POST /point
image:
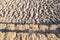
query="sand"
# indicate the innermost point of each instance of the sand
(29, 11)
(29, 32)
(29, 20)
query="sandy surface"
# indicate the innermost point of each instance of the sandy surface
(30, 11)
(29, 32)
(29, 19)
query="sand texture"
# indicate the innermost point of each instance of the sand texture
(30, 11)
(29, 32)
(29, 19)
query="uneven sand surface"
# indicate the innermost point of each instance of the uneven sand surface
(29, 32)
(29, 19)
(30, 11)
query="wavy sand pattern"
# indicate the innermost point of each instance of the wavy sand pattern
(29, 19)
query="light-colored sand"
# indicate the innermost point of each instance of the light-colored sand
(10, 26)
(34, 32)
(2, 26)
(25, 36)
(29, 11)
(2, 36)
(10, 35)
(29, 20)
(33, 27)
(22, 27)
(43, 27)
(53, 27)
